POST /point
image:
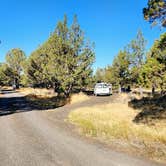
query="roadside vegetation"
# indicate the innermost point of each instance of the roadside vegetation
(47, 99)
(115, 124)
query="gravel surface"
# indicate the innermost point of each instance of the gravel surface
(43, 138)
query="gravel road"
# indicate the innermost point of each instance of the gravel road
(42, 138)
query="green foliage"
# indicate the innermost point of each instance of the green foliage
(148, 73)
(136, 55)
(6, 75)
(15, 59)
(132, 68)
(100, 75)
(158, 50)
(154, 70)
(36, 69)
(117, 73)
(126, 65)
(120, 68)
(63, 61)
(136, 50)
(155, 12)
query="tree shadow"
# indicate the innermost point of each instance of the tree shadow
(10, 105)
(152, 109)
(45, 103)
(88, 92)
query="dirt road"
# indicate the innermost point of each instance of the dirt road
(42, 138)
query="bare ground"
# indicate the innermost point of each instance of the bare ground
(43, 138)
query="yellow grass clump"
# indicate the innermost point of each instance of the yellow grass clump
(77, 98)
(6, 87)
(115, 122)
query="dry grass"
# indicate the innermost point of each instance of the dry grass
(38, 92)
(115, 122)
(77, 98)
(6, 87)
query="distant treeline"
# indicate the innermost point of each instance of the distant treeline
(135, 67)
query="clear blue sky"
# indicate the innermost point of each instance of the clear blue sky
(110, 24)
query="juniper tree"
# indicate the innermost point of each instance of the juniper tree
(73, 57)
(68, 62)
(155, 12)
(15, 59)
(154, 70)
(136, 54)
(6, 75)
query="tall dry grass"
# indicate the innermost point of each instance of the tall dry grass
(79, 97)
(115, 122)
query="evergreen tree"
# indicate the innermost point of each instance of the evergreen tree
(36, 69)
(6, 75)
(154, 70)
(120, 68)
(100, 75)
(155, 12)
(136, 55)
(67, 59)
(15, 59)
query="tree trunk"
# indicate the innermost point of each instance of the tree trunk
(153, 90)
(140, 91)
(68, 91)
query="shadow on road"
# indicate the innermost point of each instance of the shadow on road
(14, 104)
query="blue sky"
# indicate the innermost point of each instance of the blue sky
(110, 24)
